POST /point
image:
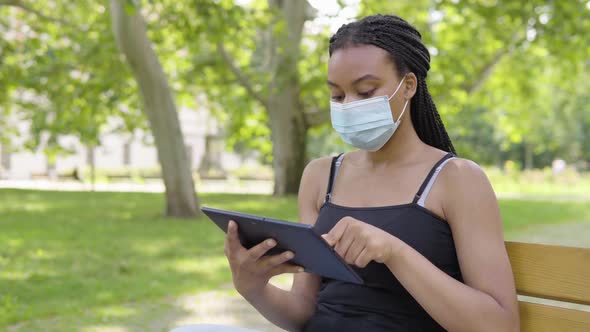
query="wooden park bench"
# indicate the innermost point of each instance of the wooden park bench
(551, 273)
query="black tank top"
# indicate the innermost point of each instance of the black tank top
(382, 303)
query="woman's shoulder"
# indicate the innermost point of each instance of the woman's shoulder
(462, 185)
(462, 170)
(465, 182)
(314, 180)
(318, 166)
(317, 172)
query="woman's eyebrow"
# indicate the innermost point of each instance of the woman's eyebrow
(358, 80)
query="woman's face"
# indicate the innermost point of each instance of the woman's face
(363, 71)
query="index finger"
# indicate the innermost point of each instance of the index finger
(336, 232)
(260, 249)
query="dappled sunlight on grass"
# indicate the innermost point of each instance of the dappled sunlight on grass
(40, 254)
(12, 243)
(96, 250)
(150, 315)
(275, 207)
(14, 275)
(517, 214)
(576, 234)
(102, 248)
(155, 247)
(106, 328)
(32, 265)
(104, 295)
(539, 182)
(32, 207)
(116, 311)
(202, 265)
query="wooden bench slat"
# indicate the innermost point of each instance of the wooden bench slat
(551, 272)
(542, 318)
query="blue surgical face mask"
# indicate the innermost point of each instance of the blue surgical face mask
(366, 124)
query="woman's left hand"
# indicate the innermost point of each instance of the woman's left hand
(360, 243)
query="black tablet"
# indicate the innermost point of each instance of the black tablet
(311, 251)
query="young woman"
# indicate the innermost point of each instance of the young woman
(420, 225)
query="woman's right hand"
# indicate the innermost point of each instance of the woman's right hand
(250, 269)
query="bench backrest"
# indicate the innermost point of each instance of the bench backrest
(552, 273)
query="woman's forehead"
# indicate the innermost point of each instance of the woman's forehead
(349, 63)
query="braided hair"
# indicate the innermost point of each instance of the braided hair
(404, 45)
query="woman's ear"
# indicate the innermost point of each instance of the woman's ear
(410, 86)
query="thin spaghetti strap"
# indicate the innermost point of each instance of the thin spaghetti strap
(429, 176)
(333, 171)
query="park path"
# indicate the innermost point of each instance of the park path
(151, 186)
(233, 186)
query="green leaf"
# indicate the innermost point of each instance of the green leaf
(130, 7)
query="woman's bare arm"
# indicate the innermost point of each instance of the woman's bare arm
(290, 310)
(487, 300)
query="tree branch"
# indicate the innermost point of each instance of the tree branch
(488, 68)
(244, 81)
(485, 72)
(19, 4)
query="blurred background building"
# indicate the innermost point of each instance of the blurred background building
(120, 153)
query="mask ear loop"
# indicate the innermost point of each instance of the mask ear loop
(399, 86)
(399, 119)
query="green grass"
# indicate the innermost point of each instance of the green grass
(518, 214)
(540, 182)
(62, 253)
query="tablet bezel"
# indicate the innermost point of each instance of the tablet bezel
(285, 226)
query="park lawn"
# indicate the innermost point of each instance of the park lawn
(64, 252)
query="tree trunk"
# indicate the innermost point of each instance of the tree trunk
(288, 141)
(91, 160)
(159, 106)
(528, 155)
(287, 123)
(279, 53)
(211, 165)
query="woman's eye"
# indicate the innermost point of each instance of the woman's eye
(366, 94)
(337, 98)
